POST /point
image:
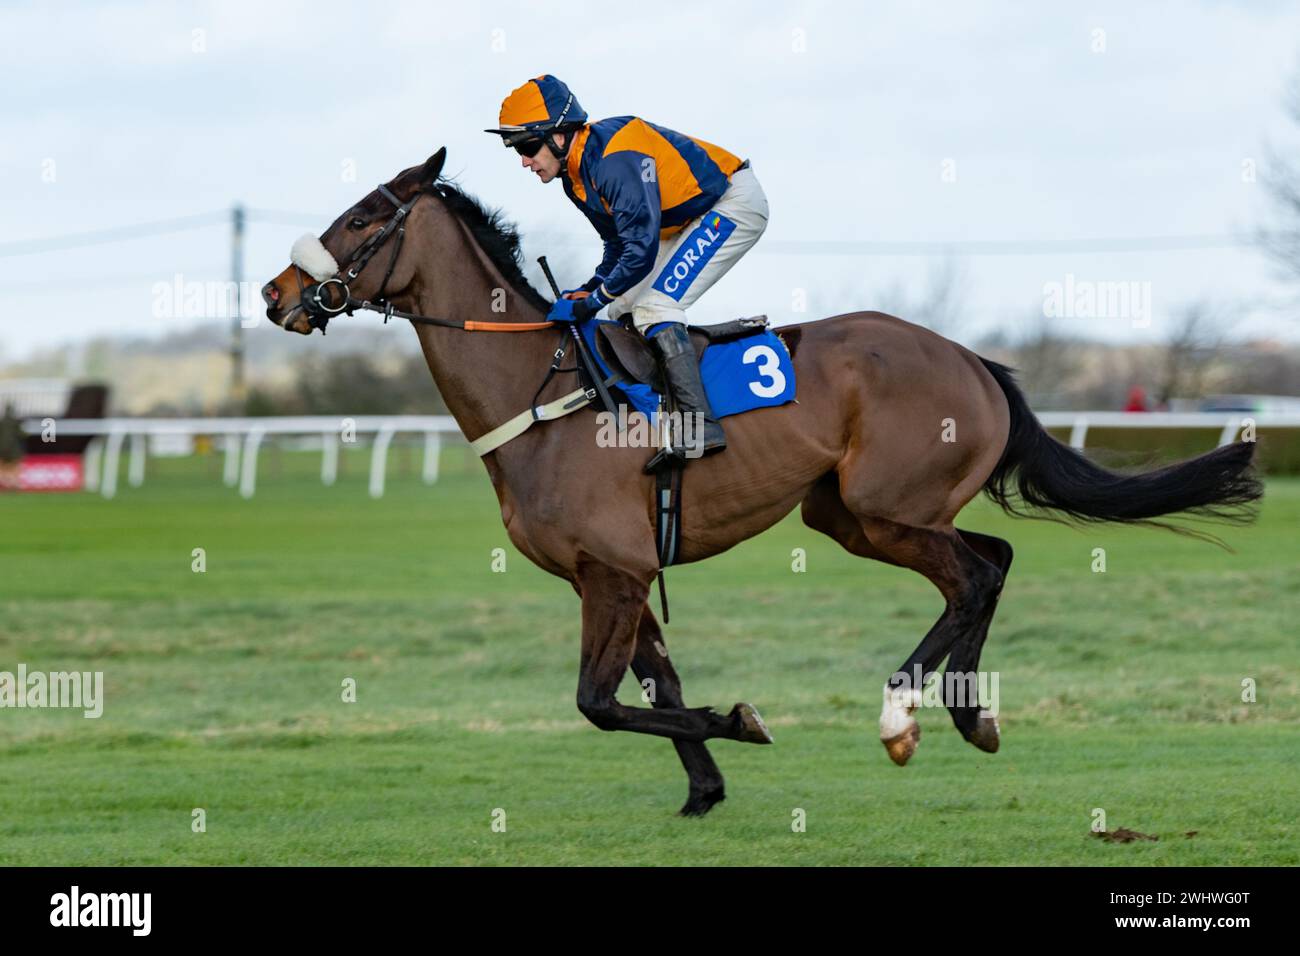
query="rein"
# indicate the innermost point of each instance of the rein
(321, 306)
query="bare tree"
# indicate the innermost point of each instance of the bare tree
(942, 304)
(1046, 360)
(1272, 372)
(1193, 345)
(1283, 182)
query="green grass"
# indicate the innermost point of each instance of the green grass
(1119, 691)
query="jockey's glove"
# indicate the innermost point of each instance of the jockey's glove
(588, 306)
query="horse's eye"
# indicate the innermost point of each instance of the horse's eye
(357, 222)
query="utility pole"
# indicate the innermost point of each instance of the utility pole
(238, 387)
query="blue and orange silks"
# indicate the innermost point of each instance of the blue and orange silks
(639, 183)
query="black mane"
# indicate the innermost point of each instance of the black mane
(497, 237)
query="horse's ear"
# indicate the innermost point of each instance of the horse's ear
(433, 167)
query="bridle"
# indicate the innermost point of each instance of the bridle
(320, 305)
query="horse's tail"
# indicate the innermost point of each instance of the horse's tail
(1046, 475)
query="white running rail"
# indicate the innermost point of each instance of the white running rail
(241, 438)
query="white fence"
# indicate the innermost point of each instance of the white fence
(1229, 423)
(243, 437)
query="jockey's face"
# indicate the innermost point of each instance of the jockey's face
(544, 164)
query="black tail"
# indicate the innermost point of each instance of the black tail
(1046, 475)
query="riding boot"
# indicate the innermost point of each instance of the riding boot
(682, 379)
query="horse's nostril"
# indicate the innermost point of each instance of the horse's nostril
(270, 294)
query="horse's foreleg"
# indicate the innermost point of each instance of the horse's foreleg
(659, 682)
(612, 603)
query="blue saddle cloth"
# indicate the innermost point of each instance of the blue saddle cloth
(740, 375)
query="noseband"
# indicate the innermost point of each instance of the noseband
(320, 304)
(326, 298)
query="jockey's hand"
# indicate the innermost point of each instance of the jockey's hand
(562, 311)
(577, 305)
(587, 306)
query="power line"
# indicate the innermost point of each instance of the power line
(24, 247)
(1002, 247)
(887, 247)
(65, 284)
(279, 217)
(798, 247)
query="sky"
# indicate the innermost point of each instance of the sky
(872, 127)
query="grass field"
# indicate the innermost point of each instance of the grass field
(1118, 690)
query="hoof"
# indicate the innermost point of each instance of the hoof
(752, 728)
(698, 804)
(899, 731)
(985, 736)
(902, 747)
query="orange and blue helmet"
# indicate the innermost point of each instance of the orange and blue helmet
(542, 105)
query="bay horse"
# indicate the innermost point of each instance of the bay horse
(895, 429)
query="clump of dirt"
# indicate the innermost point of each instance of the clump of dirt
(1124, 835)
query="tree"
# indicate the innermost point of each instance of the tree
(942, 305)
(1196, 336)
(1046, 361)
(1283, 181)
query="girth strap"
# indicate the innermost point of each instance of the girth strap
(514, 427)
(668, 524)
(668, 514)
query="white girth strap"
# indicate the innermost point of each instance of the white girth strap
(516, 426)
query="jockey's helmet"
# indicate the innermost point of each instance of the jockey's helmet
(541, 106)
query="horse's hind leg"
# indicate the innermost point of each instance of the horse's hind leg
(976, 724)
(969, 585)
(967, 569)
(651, 663)
(823, 510)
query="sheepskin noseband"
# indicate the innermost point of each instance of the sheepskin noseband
(313, 258)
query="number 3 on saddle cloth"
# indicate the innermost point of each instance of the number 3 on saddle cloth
(741, 370)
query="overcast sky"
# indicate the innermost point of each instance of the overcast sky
(879, 122)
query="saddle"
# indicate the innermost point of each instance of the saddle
(631, 356)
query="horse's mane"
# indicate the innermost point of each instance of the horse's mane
(497, 237)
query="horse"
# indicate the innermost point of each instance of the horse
(894, 430)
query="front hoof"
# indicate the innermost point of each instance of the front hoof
(698, 804)
(752, 730)
(902, 747)
(986, 735)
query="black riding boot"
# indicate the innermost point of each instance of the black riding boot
(682, 370)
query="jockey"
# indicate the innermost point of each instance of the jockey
(675, 214)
